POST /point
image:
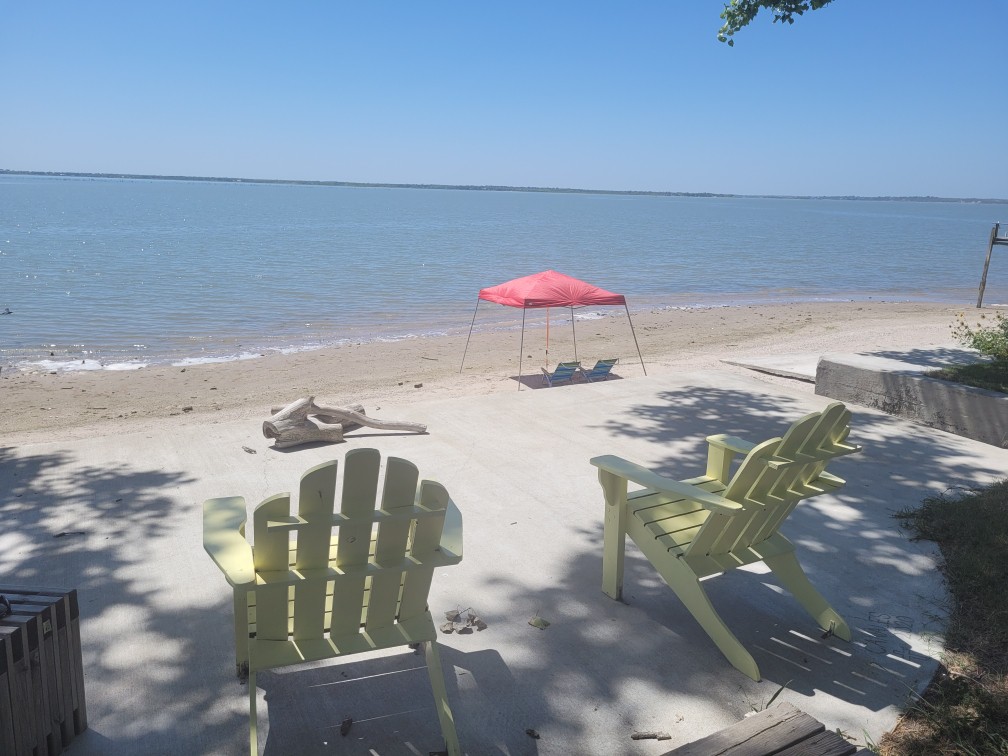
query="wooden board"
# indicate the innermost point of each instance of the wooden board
(41, 672)
(782, 730)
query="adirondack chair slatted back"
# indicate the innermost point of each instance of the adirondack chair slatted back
(384, 557)
(771, 480)
(721, 533)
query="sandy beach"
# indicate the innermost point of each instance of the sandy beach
(42, 405)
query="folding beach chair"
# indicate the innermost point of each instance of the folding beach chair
(564, 372)
(601, 370)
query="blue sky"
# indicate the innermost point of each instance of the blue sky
(868, 97)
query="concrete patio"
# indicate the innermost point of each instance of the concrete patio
(118, 517)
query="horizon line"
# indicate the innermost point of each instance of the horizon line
(500, 188)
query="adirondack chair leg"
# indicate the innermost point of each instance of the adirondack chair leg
(614, 539)
(241, 630)
(692, 594)
(253, 716)
(444, 711)
(791, 575)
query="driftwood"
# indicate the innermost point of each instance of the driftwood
(303, 421)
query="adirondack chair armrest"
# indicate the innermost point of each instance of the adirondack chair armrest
(642, 476)
(224, 539)
(722, 450)
(451, 535)
(733, 444)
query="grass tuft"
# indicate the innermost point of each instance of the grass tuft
(992, 376)
(965, 708)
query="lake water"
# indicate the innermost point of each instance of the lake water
(118, 273)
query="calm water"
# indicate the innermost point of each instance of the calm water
(126, 272)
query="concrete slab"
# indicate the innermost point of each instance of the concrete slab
(118, 517)
(801, 367)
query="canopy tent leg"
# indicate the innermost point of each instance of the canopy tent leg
(521, 349)
(470, 335)
(635, 338)
(573, 334)
(547, 337)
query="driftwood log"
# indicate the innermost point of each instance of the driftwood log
(303, 422)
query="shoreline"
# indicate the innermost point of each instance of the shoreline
(500, 320)
(41, 405)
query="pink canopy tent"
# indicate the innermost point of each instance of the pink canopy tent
(545, 290)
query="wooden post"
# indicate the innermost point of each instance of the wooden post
(994, 239)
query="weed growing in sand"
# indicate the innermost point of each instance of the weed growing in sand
(990, 338)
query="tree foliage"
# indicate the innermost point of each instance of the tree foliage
(739, 13)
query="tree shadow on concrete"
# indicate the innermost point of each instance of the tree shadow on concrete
(390, 703)
(600, 671)
(69, 524)
(597, 649)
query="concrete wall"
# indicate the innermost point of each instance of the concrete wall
(901, 389)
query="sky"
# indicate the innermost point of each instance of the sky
(863, 97)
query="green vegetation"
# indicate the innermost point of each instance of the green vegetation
(992, 376)
(965, 709)
(990, 338)
(739, 13)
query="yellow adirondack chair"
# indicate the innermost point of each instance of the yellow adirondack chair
(696, 528)
(319, 584)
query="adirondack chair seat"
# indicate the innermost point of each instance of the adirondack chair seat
(704, 526)
(322, 584)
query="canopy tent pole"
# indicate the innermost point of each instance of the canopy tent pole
(635, 338)
(521, 349)
(547, 338)
(470, 335)
(573, 334)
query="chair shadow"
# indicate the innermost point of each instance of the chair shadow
(389, 700)
(536, 381)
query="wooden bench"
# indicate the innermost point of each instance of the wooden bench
(780, 731)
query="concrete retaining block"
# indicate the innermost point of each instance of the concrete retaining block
(902, 389)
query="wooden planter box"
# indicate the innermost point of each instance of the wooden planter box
(41, 676)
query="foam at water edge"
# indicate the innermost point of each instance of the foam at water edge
(211, 360)
(74, 366)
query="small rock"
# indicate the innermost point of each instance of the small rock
(532, 733)
(248, 449)
(187, 408)
(417, 385)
